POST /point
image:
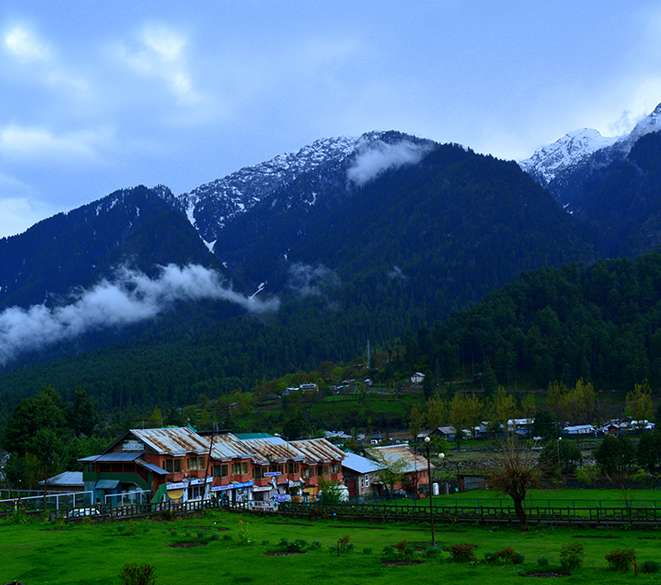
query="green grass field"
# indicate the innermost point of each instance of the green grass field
(587, 498)
(93, 554)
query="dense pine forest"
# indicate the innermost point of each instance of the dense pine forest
(601, 323)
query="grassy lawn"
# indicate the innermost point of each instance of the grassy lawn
(93, 554)
(550, 497)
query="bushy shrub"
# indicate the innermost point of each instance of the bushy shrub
(506, 556)
(588, 474)
(133, 574)
(542, 563)
(571, 556)
(431, 552)
(314, 545)
(344, 545)
(367, 550)
(621, 559)
(650, 567)
(462, 553)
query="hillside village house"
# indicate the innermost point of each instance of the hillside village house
(402, 459)
(168, 462)
(361, 475)
(179, 464)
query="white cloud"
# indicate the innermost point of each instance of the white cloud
(26, 45)
(161, 53)
(380, 156)
(45, 68)
(34, 142)
(130, 298)
(306, 280)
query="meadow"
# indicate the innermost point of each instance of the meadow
(229, 548)
(562, 497)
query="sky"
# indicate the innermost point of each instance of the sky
(97, 96)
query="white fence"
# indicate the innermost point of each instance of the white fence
(131, 497)
(46, 501)
(26, 501)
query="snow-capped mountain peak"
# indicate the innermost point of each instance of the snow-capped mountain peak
(212, 205)
(650, 123)
(569, 150)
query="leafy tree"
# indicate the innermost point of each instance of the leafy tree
(649, 450)
(544, 425)
(639, 404)
(83, 414)
(558, 459)
(465, 411)
(504, 406)
(615, 456)
(43, 411)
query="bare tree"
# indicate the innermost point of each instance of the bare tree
(515, 474)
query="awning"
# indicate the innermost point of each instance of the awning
(176, 486)
(106, 484)
(259, 488)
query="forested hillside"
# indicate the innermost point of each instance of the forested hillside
(601, 323)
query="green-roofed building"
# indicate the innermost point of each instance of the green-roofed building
(246, 436)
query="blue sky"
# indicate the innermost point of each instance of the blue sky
(101, 95)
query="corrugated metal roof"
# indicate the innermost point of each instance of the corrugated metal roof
(318, 450)
(391, 454)
(228, 446)
(273, 449)
(113, 456)
(172, 440)
(361, 464)
(66, 478)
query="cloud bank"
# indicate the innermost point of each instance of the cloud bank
(310, 281)
(129, 298)
(380, 157)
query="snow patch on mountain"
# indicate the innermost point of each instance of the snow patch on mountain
(569, 150)
(210, 207)
(578, 147)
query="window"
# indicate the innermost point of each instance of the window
(307, 472)
(195, 492)
(320, 469)
(335, 468)
(195, 463)
(220, 470)
(292, 467)
(259, 471)
(173, 465)
(239, 468)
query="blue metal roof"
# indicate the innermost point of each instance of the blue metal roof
(66, 478)
(155, 468)
(361, 464)
(106, 484)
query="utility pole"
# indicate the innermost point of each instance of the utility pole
(430, 486)
(369, 355)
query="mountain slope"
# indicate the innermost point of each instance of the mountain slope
(565, 153)
(70, 250)
(365, 249)
(614, 191)
(456, 224)
(212, 206)
(602, 323)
